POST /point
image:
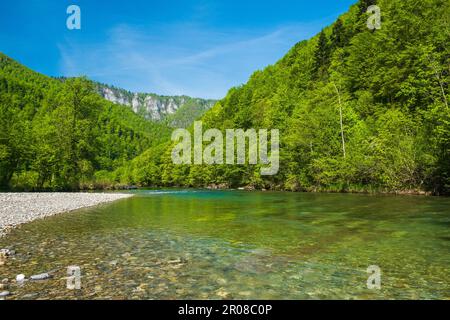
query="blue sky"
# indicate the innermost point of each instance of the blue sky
(173, 47)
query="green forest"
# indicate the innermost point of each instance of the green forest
(62, 135)
(358, 110)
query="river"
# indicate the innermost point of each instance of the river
(196, 244)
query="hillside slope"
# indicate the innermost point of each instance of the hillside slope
(63, 135)
(390, 85)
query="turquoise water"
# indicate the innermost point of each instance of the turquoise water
(175, 244)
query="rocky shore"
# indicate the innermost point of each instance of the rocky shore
(19, 208)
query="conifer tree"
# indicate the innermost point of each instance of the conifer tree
(338, 38)
(364, 4)
(322, 55)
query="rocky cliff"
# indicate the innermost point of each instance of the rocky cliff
(156, 107)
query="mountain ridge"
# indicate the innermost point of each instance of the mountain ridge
(153, 106)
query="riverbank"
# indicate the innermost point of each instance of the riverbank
(331, 189)
(19, 208)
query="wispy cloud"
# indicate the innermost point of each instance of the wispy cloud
(179, 59)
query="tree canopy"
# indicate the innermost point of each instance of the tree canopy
(357, 110)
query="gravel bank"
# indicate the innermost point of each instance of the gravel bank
(18, 208)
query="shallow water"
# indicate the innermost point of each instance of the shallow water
(238, 245)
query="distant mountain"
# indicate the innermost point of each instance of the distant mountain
(181, 111)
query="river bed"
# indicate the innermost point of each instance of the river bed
(195, 244)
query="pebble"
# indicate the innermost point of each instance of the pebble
(176, 261)
(222, 293)
(20, 278)
(113, 263)
(42, 276)
(6, 252)
(140, 288)
(4, 294)
(30, 296)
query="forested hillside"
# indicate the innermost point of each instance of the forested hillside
(63, 135)
(357, 109)
(174, 111)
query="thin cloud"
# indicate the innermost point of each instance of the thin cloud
(182, 59)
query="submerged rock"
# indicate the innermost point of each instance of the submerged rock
(7, 252)
(4, 255)
(42, 276)
(113, 263)
(126, 255)
(20, 278)
(4, 294)
(177, 261)
(221, 281)
(141, 288)
(222, 293)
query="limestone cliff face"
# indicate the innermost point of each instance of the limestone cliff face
(156, 107)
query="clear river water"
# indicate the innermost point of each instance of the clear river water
(195, 244)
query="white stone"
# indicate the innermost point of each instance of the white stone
(20, 278)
